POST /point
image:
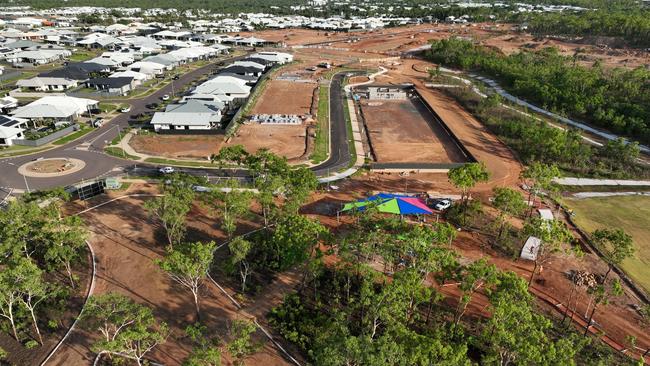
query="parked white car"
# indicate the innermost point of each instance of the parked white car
(165, 97)
(166, 170)
(442, 205)
(126, 109)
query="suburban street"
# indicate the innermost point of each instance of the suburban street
(90, 148)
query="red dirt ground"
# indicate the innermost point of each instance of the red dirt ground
(285, 97)
(288, 141)
(400, 132)
(126, 242)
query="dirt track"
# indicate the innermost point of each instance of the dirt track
(126, 242)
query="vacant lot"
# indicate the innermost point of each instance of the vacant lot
(288, 141)
(285, 97)
(177, 146)
(404, 131)
(632, 214)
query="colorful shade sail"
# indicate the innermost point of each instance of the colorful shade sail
(391, 203)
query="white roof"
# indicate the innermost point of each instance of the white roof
(546, 214)
(129, 74)
(249, 64)
(531, 248)
(40, 81)
(9, 132)
(54, 107)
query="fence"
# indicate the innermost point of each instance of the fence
(191, 132)
(47, 139)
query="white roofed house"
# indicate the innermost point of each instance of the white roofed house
(191, 115)
(149, 68)
(138, 77)
(249, 64)
(59, 108)
(39, 57)
(276, 57)
(11, 129)
(228, 86)
(40, 83)
(170, 61)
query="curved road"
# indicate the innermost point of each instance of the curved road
(90, 147)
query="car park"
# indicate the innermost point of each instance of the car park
(166, 170)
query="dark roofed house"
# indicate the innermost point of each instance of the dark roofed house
(79, 71)
(115, 86)
(250, 80)
(261, 61)
(242, 70)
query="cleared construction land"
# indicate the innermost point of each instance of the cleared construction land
(285, 140)
(404, 131)
(286, 97)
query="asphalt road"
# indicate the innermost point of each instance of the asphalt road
(90, 147)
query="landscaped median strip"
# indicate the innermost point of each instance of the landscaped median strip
(359, 156)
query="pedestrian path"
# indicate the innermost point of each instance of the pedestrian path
(569, 181)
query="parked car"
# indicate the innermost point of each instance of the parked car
(98, 122)
(166, 170)
(152, 105)
(197, 188)
(165, 97)
(442, 205)
(126, 109)
(176, 77)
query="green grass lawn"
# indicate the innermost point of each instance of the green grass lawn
(73, 136)
(322, 143)
(119, 153)
(179, 162)
(83, 55)
(630, 213)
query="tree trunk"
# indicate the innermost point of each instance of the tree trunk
(609, 269)
(591, 317)
(532, 275)
(13, 325)
(196, 304)
(38, 331)
(568, 305)
(68, 269)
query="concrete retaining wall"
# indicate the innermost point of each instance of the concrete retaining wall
(47, 139)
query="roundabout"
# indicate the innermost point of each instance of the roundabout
(51, 167)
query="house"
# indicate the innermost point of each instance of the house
(243, 70)
(39, 57)
(190, 115)
(112, 85)
(146, 67)
(42, 83)
(226, 86)
(59, 108)
(247, 63)
(78, 71)
(138, 77)
(11, 129)
(7, 103)
(275, 57)
(170, 61)
(96, 40)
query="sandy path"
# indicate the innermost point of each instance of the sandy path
(123, 241)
